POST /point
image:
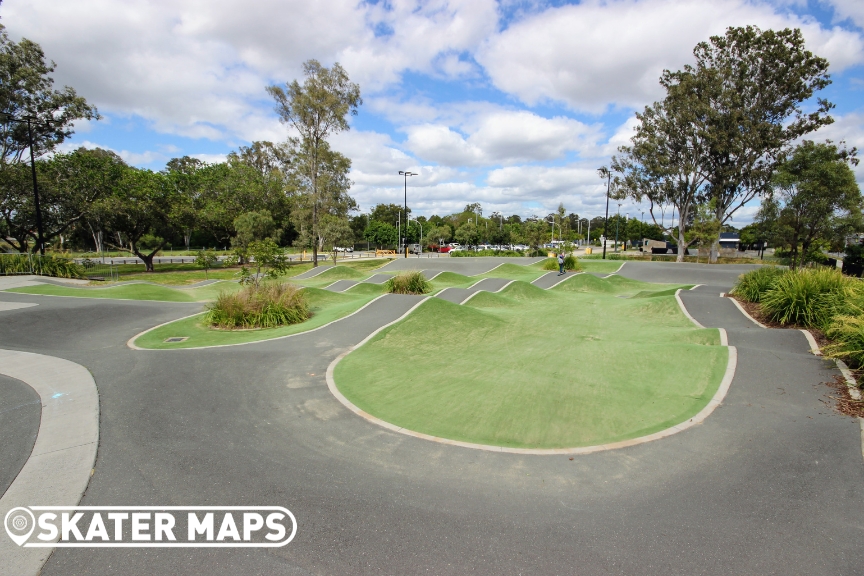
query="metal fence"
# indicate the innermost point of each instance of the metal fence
(107, 272)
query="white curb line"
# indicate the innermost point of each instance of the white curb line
(854, 392)
(59, 467)
(684, 310)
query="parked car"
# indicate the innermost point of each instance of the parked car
(344, 249)
(444, 249)
(414, 248)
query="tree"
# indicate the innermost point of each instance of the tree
(317, 109)
(337, 231)
(534, 233)
(143, 214)
(26, 90)
(746, 92)
(387, 213)
(468, 234)
(380, 234)
(206, 259)
(251, 226)
(268, 259)
(331, 197)
(666, 162)
(70, 187)
(816, 192)
(703, 230)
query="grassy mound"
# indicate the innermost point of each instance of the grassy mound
(340, 273)
(653, 294)
(555, 379)
(514, 272)
(519, 290)
(450, 279)
(325, 307)
(367, 288)
(585, 283)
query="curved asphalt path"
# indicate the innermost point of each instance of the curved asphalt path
(769, 484)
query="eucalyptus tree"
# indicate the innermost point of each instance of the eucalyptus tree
(317, 109)
(815, 193)
(747, 92)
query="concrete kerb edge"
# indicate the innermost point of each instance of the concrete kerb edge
(684, 309)
(131, 342)
(853, 391)
(715, 401)
(563, 279)
(814, 347)
(743, 311)
(61, 463)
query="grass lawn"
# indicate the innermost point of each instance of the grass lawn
(134, 292)
(573, 366)
(325, 306)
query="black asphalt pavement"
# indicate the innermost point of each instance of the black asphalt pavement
(469, 266)
(20, 413)
(770, 483)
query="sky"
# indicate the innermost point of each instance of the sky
(512, 104)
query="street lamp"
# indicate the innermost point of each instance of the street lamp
(406, 175)
(30, 120)
(605, 173)
(617, 221)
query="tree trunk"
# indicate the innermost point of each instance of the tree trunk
(682, 247)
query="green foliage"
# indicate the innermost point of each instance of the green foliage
(206, 259)
(266, 306)
(268, 259)
(40, 265)
(752, 285)
(847, 331)
(380, 233)
(570, 263)
(808, 297)
(408, 283)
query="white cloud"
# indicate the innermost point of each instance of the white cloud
(851, 9)
(612, 52)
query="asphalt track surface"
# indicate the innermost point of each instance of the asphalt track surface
(20, 413)
(769, 484)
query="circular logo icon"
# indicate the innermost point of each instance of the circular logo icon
(19, 524)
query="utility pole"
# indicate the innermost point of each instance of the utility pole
(29, 120)
(406, 175)
(605, 173)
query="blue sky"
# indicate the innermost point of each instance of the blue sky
(511, 104)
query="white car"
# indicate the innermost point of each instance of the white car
(342, 249)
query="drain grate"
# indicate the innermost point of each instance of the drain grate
(177, 339)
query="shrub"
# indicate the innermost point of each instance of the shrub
(808, 297)
(754, 284)
(848, 335)
(408, 283)
(570, 263)
(265, 306)
(42, 265)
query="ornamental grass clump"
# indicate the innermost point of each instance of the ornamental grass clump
(47, 265)
(408, 283)
(570, 263)
(265, 306)
(809, 297)
(754, 284)
(847, 332)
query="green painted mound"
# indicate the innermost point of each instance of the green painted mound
(125, 292)
(451, 279)
(491, 300)
(340, 273)
(622, 283)
(436, 319)
(366, 288)
(507, 270)
(655, 294)
(522, 291)
(319, 297)
(585, 283)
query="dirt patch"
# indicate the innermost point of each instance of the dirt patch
(842, 400)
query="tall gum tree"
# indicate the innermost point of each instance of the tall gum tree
(316, 109)
(746, 92)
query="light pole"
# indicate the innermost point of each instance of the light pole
(29, 120)
(617, 221)
(421, 234)
(406, 174)
(605, 173)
